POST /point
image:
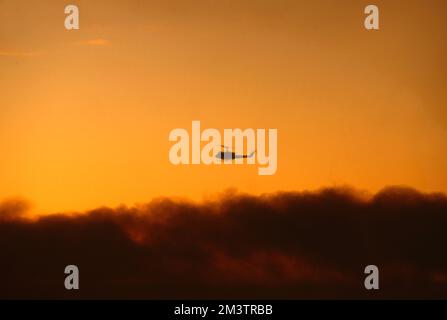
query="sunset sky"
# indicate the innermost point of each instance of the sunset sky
(85, 114)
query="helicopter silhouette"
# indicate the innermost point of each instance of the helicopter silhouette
(229, 155)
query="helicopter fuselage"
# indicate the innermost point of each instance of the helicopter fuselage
(230, 155)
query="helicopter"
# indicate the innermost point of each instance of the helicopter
(229, 155)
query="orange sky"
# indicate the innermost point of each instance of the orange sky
(85, 115)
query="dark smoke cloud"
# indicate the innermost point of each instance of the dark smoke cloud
(13, 208)
(286, 245)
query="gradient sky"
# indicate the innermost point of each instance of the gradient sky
(85, 115)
